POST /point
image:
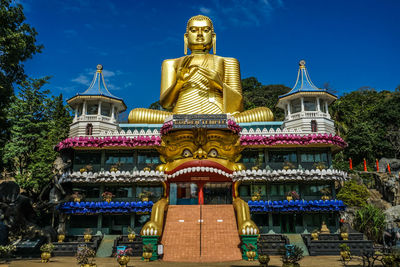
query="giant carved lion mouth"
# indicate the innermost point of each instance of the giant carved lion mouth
(199, 168)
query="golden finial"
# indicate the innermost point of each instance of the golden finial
(99, 68)
(302, 64)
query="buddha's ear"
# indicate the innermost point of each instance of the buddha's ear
(185, 41)
(214, 43)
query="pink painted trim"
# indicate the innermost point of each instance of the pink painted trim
(109, 141)
(292, 139)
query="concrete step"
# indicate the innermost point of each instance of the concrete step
(206, 233)
(296, 239)
(106, 246)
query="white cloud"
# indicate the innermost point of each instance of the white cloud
(205, 11)
(240, 13)
(108, 73)
(81, 79)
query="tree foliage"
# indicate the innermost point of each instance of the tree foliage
(37, 122)
(17, 44)
(369, 121)
(353, 194)
(257, 95)
(370, 220)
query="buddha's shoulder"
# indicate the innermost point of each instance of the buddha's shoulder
(228, 60)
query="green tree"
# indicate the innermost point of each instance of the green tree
(38, 122)
(370, 220)
(17, 44)
(257, 95)
(353, 194)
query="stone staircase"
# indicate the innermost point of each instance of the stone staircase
(296, 239)
(106, 246)
(206, 233)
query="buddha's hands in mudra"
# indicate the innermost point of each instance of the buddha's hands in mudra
(213, 77)
(185, 71)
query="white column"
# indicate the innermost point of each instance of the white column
(76, 113)
(84, 108)
(99, 109)
(112, 113)
(318, 105)
(326, 109)
(289, 109)
(302, 104)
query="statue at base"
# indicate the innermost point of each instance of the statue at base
(200, 83)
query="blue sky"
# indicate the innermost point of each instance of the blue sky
(350, 44)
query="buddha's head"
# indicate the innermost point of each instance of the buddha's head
(200, 36)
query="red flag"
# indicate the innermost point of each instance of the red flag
(351, 163)
(377, 165)
(365, 165)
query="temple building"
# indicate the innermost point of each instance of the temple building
(205, 175)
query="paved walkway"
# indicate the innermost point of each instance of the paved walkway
(309, 261)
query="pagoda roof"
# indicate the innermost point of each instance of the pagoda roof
(98, 86)
(304, 83)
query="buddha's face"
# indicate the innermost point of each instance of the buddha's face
(199, 35)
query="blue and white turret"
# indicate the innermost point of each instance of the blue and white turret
(306, 106)
(96, 109)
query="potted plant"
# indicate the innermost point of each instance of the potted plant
(256, 196)
(46, 250)
(123, 256)
(314, 234)
(345, 253)
(264, 260)
(85, 257)
(131, 234)
(76, 196)
(320, 166)
(292, 257)
(288, 165)
(87, 235)
(145, 195)
(6, 252)
(251, 252)
(292, 195)
(325, 193)
(115, 167)
(147, 252)
(344, 233)
(107, 196)
(61, 237)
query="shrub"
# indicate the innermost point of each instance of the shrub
(371, 221)
(353, 194)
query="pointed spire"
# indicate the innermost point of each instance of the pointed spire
(303, 82)
(98, 85)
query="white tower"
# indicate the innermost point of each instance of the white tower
(96, 109)
(306, 106)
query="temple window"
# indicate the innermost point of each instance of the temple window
(295, 105)
(120, 192)
(89, 129)
(322, 106)
(92, 108)
(314, 127)
(119, 161)
(154, 193)
(106, 109)
(90, 161)
(148, 159)
(251, 158)
(310, 104)
(80, 108)
(88, 192)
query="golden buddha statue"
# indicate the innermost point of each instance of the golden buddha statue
(200, 83)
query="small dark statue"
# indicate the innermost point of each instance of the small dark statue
(17, 215)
